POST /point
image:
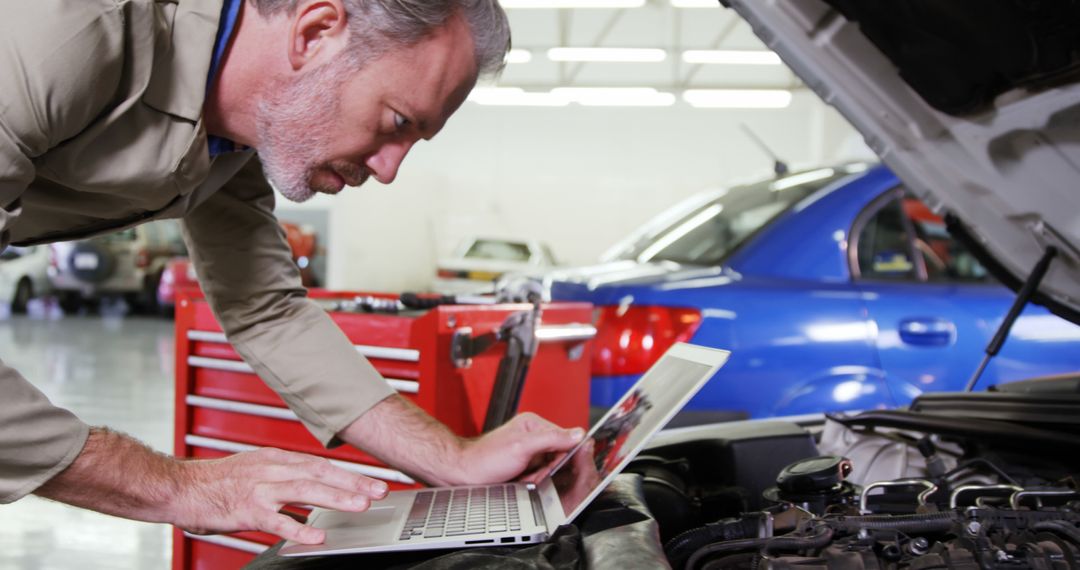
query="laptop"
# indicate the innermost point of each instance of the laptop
(523, 513)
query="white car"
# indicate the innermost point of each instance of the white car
(479, 262)
(23, 275)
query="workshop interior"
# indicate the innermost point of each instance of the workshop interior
(865, 214)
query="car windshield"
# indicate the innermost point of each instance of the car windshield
(498, 250)
(709, 232)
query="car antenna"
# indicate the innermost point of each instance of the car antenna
(1022, 298)
(780, 167)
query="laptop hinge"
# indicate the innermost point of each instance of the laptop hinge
(537, 507)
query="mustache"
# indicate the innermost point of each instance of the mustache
(353, 174)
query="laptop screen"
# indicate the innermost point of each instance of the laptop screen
(618, 436)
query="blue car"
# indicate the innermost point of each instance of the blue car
(836, 289)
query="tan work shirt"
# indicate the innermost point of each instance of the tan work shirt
(101, 129)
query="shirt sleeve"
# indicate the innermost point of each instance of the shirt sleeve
(247, 273)
(61, 63)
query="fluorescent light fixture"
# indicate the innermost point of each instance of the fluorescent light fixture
(695, 3)
(628, 55)
(738, 98)
(514, 97)
(513, 4)
(519, 56)
(615, 96)
(731, 57)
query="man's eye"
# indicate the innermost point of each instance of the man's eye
(400, 122)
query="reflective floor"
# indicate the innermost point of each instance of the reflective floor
(110, 371)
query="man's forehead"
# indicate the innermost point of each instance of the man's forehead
(442, 73)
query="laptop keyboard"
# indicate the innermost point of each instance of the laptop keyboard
(458, 512)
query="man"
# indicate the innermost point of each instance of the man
(114, 112)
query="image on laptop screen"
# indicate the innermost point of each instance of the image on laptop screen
(627, 426)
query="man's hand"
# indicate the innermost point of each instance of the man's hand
(524, 448)
(246, 492)
(120, 476)
(403, 435)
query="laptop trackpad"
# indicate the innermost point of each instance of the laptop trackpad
(373, 524)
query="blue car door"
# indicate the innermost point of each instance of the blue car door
(935, 307)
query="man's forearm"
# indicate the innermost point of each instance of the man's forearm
(117, 475)
(398, 432)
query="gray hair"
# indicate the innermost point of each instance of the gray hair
(375, 26)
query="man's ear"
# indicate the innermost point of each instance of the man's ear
(317, 26)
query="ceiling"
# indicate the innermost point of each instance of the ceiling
(655, 24)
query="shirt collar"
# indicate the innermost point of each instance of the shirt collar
(177, 84)
(230, 11)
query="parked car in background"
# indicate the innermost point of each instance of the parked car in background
(23, 275)
(835, 289)
(179, 273)
(478, 263)
(127, 264)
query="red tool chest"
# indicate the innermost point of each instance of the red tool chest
(222, 407)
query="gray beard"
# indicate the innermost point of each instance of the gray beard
(292, 124)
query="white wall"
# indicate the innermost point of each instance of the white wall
(578, 178)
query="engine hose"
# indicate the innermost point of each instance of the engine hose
(929, 522)
(819, 540)
(683, 545)
(814, 542)
(731, 560)
(718, 547)
(1061, 527)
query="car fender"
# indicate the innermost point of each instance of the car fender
(837, 389)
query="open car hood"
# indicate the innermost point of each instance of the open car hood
(975, 104)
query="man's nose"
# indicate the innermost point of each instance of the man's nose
(384, 163)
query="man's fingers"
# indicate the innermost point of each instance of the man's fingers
(319, 495)
(288, 528)
(555, 440)
(327, 473)
(287, 466)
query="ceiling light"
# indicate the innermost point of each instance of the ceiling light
(509, 4)
(615, 96)
(731, 57)
(627, 55)
(738, 98)
(695, 3)
(519, 56)
(515, 97)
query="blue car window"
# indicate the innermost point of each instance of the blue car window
(945, 258)
(907, 227)
(884, 246)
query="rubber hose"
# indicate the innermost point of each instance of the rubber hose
(930, 522)
(717, 547)
(819, 540)
(685, 543)
(1062, 527)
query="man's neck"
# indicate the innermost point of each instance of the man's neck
(245, 70)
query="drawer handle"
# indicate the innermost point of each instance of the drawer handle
(368, 470)
(229, 542)
(406, 386)
(384, 352)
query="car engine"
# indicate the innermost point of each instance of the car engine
(883, 489)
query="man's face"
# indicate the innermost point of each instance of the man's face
(333, 127)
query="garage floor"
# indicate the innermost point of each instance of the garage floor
(110, 371)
